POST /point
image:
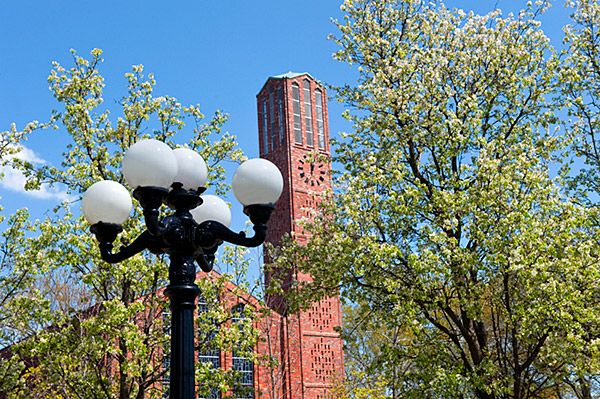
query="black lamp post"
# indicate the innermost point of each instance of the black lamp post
(189, 235)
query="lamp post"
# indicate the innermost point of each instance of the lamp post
(190, 234)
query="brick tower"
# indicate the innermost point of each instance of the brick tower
(293, 129)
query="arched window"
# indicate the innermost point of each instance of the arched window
(297, 120)
(272, 117)
(308, 114)
(281, 118)
(208, 351)
(320, 122)
(244, 388)
(265, 131)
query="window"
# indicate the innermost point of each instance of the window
(320, 122)
(308, 114)
(166, 363)
(265, 127)
(244, 388)
(297, 120)
(272, 116)
(208, 352)
(281, 119)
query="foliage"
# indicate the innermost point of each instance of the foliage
(448, 229)
(581, 89)
(77, 326)
(367, 348)
(359, 385)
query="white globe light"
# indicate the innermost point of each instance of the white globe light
(192, 171)
(149, 163)
(212, 208)
(106, 201)
(257, 181)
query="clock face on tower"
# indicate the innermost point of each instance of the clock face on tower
(310, 173)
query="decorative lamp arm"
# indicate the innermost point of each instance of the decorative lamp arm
(106, 234)
(206, 261)
(155, 227)
(211, 233)
(151, 198)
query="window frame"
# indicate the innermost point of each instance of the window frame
(213, 355)
(320, 119)
(265, 126)
(297, 114)
(272, 118)
(308, 116)
(241, 363)
(281, 118)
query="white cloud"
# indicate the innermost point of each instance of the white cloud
(14, 180)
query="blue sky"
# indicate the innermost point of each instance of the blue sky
(214, 53)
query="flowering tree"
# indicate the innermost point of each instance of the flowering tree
(77, 326)
(581, 89)
(447, 227)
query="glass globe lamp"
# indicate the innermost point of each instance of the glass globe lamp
(150, 163)
(257, 181)
(212, 208)
(107, 202)
(191, 172)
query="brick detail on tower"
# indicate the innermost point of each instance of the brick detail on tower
(293, 132)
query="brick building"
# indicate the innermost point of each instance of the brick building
(293, 134)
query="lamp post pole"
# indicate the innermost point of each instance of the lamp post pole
(182, 294)
(190, 235)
